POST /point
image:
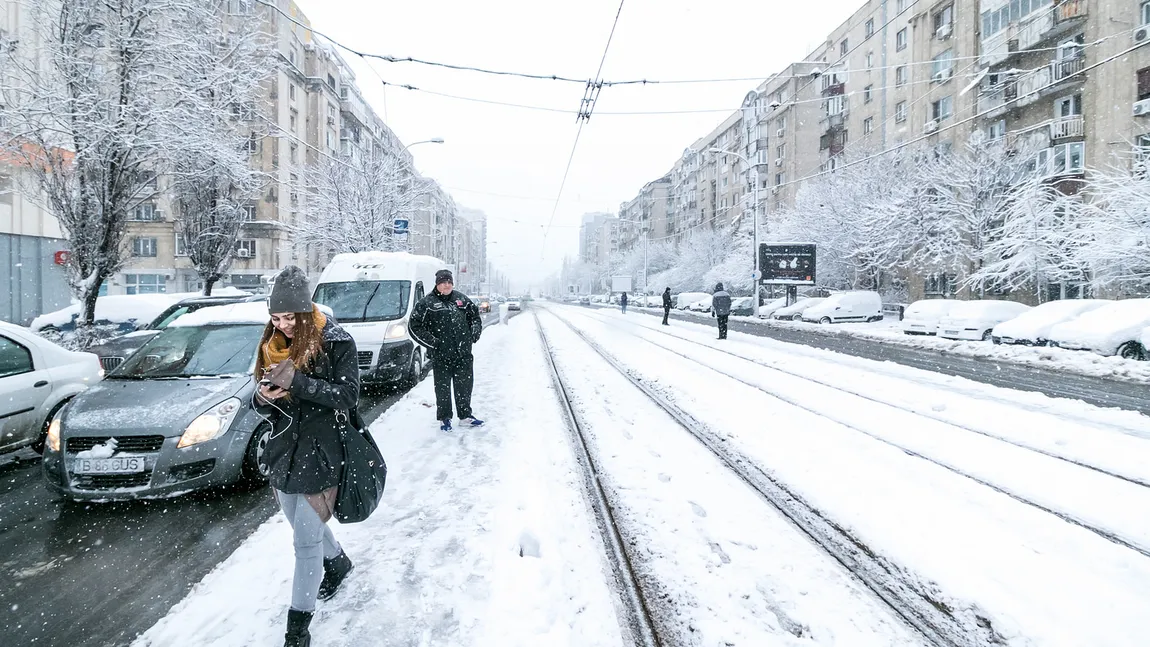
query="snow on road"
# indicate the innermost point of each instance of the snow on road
(1039, 579)
(725, 567)
(483, 538)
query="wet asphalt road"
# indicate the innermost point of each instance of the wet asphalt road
(1102, 392)
(96, 575)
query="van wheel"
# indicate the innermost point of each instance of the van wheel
(250, 473)
(1132, 350)
(42, 439)
(825, 321)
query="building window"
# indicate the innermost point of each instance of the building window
(901, 6)
(1144, 82)
(254, 143)
(293, 56)
(900, 40)
(782, 122)
(144, 247)
(293, 121)
(900, 76)
(868, 125)
(293, 154)
(761, 157)
(331, 81)
(942, 109)
(780, 151)
(870, 60)
(146, 283)
(1146, 12)
(1068, 107)
(780, 179)
(943, 20)
(291, 91)
(145, 212)
(867, 92)
(942, 66)
(996, 130)
(181, 245)
(1142, 153)
(1068, 158)
(869, 28)
(900, 111)
(246, 248)
(248, 213)
(844, 48)
(330, 140)
(941, 284)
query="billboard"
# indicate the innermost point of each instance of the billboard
(621, 284)
(787, 263)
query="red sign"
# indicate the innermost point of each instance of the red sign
(62, 257)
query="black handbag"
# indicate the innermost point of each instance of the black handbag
(364, 472)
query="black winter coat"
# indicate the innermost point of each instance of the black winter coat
(667, 299)
(447, 324)
(305, 452)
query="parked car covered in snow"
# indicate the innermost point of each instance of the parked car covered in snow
(175, 416)
(1113, 329)
(859, 305)
(743, 306)
(1032, 328)
(794, 312)
(974, 320)
(702, 305)
(769, 308)
(128, 312)
(922, 317)
(37, 378)
(684, 299)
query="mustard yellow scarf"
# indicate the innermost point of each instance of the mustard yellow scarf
(277, 348)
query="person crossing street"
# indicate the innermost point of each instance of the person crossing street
(721, 308)
(666, 306)
(448, 323)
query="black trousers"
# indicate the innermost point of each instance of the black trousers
(457, 370)
(666, 313)
(722, 326)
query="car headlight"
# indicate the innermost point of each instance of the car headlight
(396, 331)
(211, 424)
(54, 434)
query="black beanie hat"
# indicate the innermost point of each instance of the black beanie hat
(443, 276)
(291, 292)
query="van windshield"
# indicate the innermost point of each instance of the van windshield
(365, 300)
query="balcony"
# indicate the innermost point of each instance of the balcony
(1068, 127)
(1028, 86)
(1069, 67)
(1070, 10)
(1032, 30)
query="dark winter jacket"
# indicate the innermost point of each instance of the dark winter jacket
(667, 298)
(305, 452)
(721, 302)
(623, 299)
(447, 324)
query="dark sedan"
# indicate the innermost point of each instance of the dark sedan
(175, 416)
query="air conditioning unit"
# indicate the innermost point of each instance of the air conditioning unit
(1142, 108)
(944, 31)
(779, 162)
(331, 121)
(1141, 34)
(244, 252)
(780, 132)
(930, 127)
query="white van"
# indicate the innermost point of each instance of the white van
(372, 295)
(847, 306)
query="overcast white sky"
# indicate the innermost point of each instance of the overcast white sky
(509, 162)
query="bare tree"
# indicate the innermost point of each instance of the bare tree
(114, 91)
(352, 204)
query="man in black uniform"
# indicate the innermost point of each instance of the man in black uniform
(448, 323)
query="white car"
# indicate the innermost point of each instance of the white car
(922, 317)
(514, 304)
(974, 320)
(768, 309)
(1113, 329)
(683, 300)
(702, 305)
(795, 312)
(37, 378)
(1033, 328)
(857, 305)
(126, 311)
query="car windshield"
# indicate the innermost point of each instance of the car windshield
(358, 301)
(168, 316)
(194, 351)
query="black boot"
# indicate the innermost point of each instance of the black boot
(335, 570)
(297, 634)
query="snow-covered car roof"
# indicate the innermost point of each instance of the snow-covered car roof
(987, 308)
(801, 305)
(1105, 328)
(120, 308)
(234, 313)
(930, 307)
(1037, 322)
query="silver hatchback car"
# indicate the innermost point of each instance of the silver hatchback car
(175, 417)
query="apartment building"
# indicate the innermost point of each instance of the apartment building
(598, 236)
(471, 250)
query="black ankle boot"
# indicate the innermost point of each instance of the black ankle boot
(297, 634)
(335, 570)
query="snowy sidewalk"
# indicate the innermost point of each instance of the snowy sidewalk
(483, 537)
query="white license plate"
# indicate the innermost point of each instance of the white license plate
(950, 332)
(125, 465)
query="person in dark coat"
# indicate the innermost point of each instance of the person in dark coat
(721, 308)
(666, 306)
(309, 387)
(448, 323)
(623, 300)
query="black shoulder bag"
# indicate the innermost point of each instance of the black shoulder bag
(364, 471)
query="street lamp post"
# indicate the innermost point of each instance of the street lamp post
(437, 140)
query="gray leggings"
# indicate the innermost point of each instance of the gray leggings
(313, 543)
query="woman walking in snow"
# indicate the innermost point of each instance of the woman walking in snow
(309, 385)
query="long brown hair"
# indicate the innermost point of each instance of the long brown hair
(306, 343)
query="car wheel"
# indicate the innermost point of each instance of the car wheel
(796, 317)
(42, 439)
(986, 335)
(1132, 350)
(250, 472)
(825, 320)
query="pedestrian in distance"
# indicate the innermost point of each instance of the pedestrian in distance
(623, 300)
(448, 323)
(666, 306)
(308, 389)
(721, 308)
